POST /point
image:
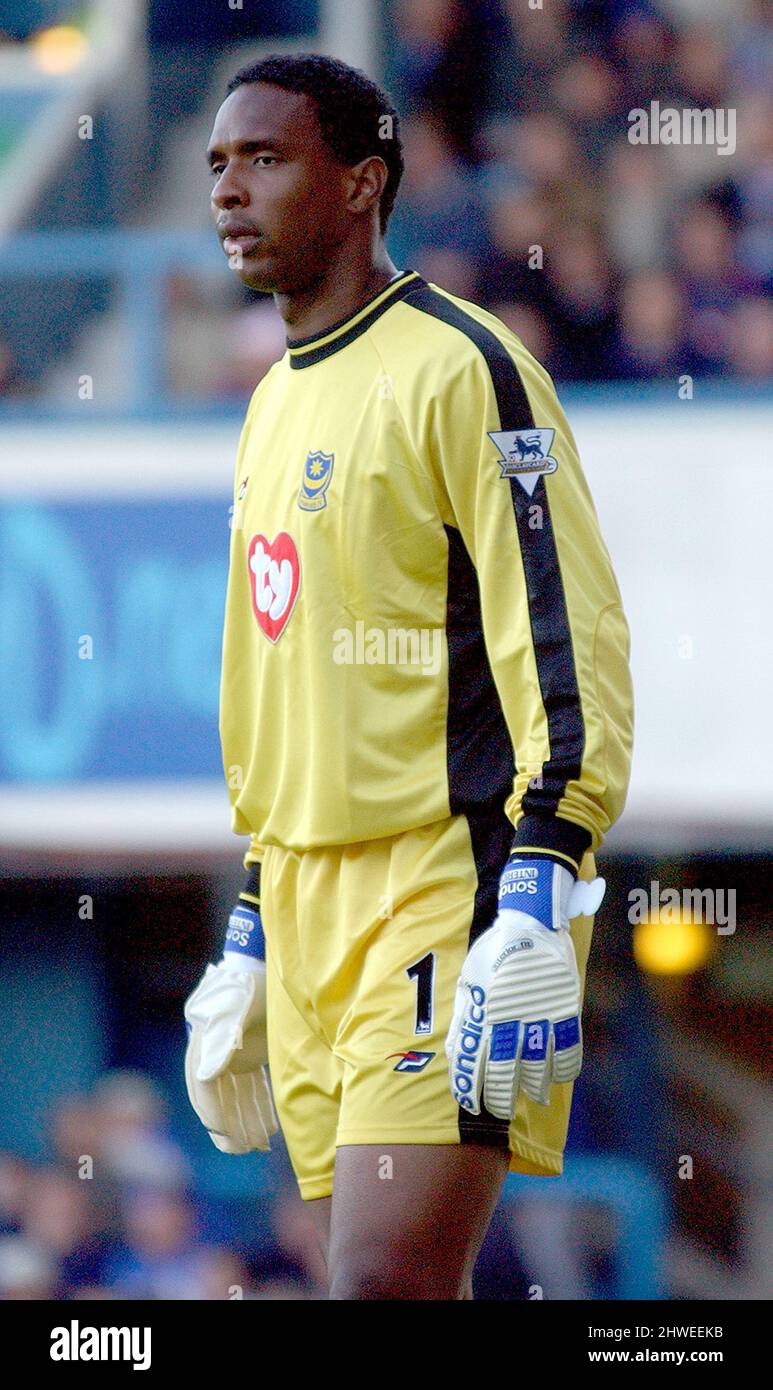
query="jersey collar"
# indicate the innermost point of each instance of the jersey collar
(305, 352)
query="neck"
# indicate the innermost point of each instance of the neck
(346, 283)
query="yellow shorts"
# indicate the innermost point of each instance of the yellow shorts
(364, 945)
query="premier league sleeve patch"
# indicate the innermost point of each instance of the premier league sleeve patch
(525, 455)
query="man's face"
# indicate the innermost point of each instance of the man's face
(279, 193)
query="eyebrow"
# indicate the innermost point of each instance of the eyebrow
(247, 147)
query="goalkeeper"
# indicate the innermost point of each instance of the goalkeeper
(425, 716)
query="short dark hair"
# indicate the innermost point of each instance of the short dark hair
(350, 108)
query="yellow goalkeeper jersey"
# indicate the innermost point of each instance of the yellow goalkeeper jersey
(421, 612)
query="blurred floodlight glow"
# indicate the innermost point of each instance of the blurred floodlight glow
(59, 49)
(672, 947)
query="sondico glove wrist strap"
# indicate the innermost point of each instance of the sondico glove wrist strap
(244, 937)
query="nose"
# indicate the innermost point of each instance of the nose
(229, 192)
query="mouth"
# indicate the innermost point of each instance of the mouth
(242, 239)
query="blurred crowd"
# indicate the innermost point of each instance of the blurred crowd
(523, 192)
(122, 1194)
(115, 1213)
(612, 260)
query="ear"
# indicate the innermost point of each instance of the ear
(366, 182)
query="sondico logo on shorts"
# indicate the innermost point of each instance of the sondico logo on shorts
(469, 1046)
(275, 578)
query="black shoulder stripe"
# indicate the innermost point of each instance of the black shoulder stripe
(551, 634)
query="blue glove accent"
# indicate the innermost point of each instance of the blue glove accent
(244, 936)
(567, 1033)
(504, 1042)
(526, 885)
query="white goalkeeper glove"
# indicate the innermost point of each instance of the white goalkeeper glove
(516, 1019)
(226, 1056)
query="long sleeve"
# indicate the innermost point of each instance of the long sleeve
(254, 853)
(509, 481)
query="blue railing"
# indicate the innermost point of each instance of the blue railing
(140, 262)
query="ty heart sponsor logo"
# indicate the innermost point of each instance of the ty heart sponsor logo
(275, 578)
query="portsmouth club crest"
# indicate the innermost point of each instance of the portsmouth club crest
(525, 455)
(317, 472)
